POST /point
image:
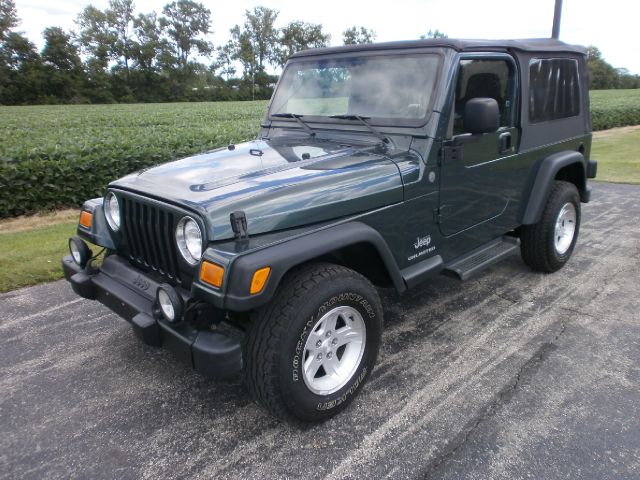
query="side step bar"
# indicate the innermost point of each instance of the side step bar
(477, 260)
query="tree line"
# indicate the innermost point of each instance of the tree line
(603, 76)
(119, 55)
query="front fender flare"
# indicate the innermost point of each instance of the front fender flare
(283, 256)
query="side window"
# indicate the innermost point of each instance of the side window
(554, 89)
(485, 78)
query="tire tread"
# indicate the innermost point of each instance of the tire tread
(269, 325)
(535, 248)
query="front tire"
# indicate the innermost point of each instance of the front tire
(547, 245)
(309, 351)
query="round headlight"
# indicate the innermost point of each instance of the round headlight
(112, 211)
(189, 239)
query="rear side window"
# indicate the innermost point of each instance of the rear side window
(554, 89)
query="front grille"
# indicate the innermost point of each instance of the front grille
(149, 237)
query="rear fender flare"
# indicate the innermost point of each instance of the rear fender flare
(545, 174)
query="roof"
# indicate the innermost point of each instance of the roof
(461, 45)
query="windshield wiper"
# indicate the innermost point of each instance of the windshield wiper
(363, 120)
(297, 118)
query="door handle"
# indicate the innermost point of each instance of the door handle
(505, 142)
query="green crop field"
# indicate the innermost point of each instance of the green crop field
(60, 155)
(614, 108)
(53, 156)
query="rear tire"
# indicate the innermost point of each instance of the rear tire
(547, 245)
(309, 351)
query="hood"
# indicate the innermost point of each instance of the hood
(280, 183)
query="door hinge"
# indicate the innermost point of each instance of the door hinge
(437, 216)
(450, 154)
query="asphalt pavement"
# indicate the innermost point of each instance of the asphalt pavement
(512, 374)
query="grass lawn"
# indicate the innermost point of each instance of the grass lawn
(31, 247)
(618, 154)
(30, 256)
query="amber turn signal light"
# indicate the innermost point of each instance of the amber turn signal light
(259, 280)
(86, 218)
(212, 274)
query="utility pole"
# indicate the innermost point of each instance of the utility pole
(555, 33)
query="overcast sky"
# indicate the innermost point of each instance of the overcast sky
(610, 25)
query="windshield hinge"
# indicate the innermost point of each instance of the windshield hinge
(239, 224)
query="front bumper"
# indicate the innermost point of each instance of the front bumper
(131, 294)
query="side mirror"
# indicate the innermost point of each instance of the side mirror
(481, 115)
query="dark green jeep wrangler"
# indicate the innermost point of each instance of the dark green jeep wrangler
(376, 165)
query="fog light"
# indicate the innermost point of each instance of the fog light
(170, 303)
(79, 250)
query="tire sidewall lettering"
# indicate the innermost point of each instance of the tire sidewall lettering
(299, 350)
(330, 402)
(342, 398)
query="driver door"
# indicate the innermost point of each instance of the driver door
(474, 176)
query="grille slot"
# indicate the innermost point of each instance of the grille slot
(148, 234)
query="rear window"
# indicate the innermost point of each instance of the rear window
(554, 89)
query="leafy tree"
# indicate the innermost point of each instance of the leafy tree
(434, 34)
(149, 44)
(601, 74)
(21, 79)
(95, 37)
(297, 36)
(243, 50)
(224, 60)
(357, 35)
(8, 17)
(99, 82)
(626, 79)
(185, 23)
(256, 44)
(59, 52)
(147, 48)
(8, 20)
(120, 19)
(62, 65)
(20, 52)
(96, 40)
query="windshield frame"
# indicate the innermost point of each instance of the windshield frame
(376, 121)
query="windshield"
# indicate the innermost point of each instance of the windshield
(379, 87)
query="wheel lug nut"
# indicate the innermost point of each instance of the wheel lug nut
(319, 343)
(329, 355)
(328, 334)
(319, 357)
(334, 341)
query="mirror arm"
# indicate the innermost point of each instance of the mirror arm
(466, 138)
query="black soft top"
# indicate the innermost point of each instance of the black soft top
(461, 45)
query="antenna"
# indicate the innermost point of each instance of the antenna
(557, 13)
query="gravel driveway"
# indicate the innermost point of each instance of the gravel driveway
(513, 374)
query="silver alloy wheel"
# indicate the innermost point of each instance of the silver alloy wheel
(565, 228)
(334, 350)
